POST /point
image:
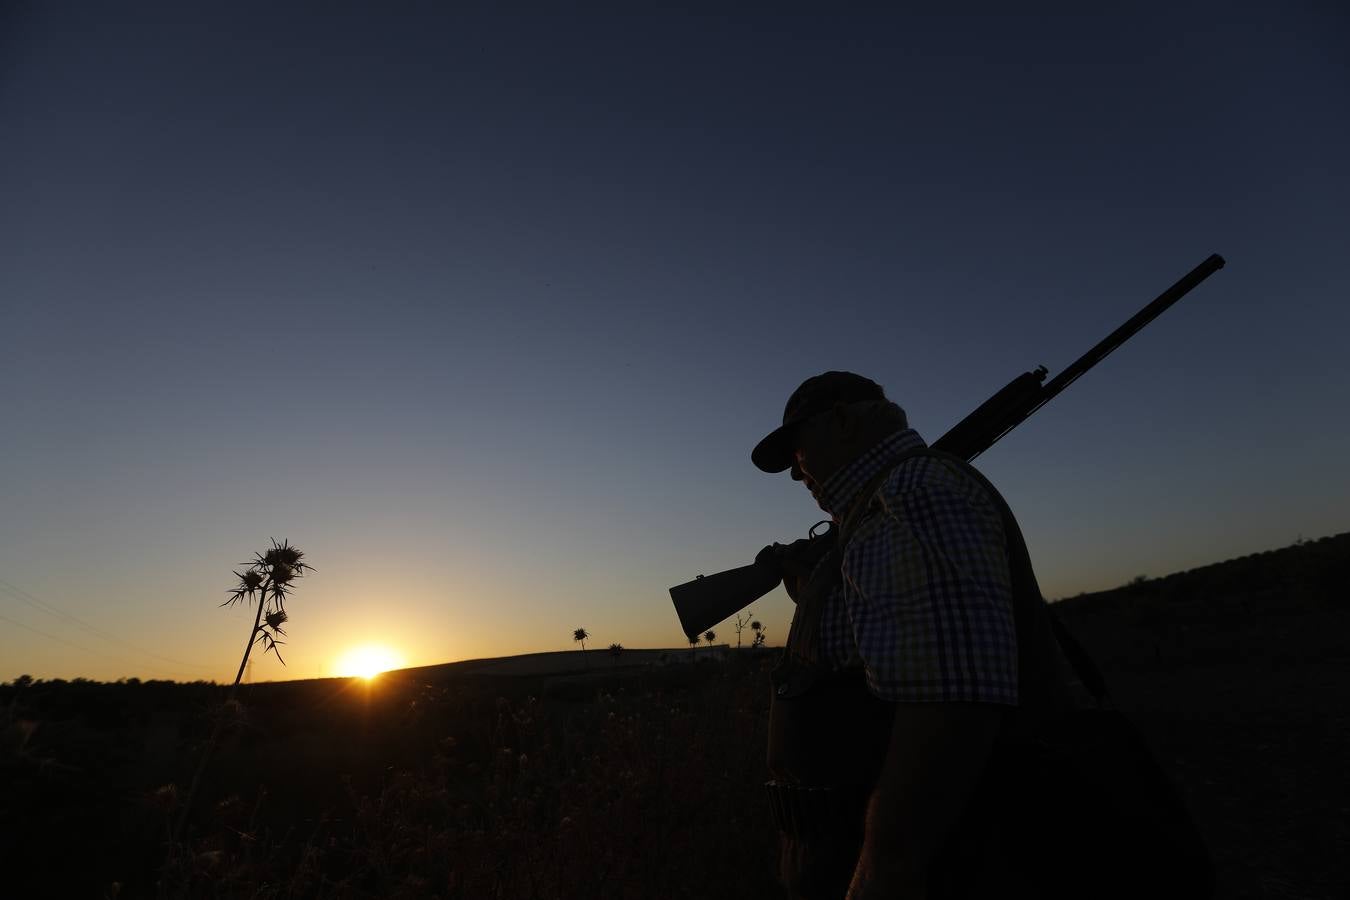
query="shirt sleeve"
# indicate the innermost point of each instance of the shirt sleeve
(927, 590)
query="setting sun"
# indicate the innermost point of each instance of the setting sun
(367, 661)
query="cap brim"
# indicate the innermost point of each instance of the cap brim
(774, 453)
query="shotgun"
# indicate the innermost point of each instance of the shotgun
(705, 601)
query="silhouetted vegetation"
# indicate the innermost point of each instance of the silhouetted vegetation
(633, 781)
(580, 636)
(423, 783)
(267, 581)
(740, 622)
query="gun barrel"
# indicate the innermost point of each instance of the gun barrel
(971, 436)
(1184, 285)
(1181, 288)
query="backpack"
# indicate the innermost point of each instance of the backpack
(1076, 805)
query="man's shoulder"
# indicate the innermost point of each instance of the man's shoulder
(928, 470)
(933, 488)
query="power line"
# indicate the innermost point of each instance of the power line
(52, 637)
(72, 619)
(80, 647)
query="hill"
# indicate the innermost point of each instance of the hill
(1239, 675)
(1305, 576)
(1279, 607)
(570, 662)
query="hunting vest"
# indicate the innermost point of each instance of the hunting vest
(827, 729)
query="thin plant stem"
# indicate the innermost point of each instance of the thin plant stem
(220, 719)
(262, 601)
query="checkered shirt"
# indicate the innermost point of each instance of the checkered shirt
(925, 604)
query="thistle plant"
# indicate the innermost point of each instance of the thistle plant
(267, 581)
(580, 636)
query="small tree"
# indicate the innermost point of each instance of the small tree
(760, 634)
(616, 650)
(710, 636)
(693, 643)
(740, 623)
(579, 636)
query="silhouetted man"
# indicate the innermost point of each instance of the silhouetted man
(903, 664)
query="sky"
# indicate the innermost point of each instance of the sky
(484, 308)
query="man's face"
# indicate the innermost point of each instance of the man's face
(818, 450)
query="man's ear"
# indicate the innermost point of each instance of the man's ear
(844, 419)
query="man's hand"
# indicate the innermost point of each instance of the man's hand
(791, 561)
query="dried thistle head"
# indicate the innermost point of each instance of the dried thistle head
(249, 581)
(284, 556)
(275, 620)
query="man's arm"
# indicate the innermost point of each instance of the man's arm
(936, 756)
(928, 588)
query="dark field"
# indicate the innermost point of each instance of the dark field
(640, 781)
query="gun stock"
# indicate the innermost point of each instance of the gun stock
(707, 600)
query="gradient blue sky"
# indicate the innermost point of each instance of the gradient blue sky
(484, 310)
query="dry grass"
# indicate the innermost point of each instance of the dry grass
(624, 784)
(638, 782)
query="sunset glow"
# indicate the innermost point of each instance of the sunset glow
(367, 661)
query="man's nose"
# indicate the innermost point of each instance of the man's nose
(796, 471)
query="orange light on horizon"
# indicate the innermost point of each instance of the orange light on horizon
(366, 661)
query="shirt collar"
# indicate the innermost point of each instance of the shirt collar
(840, 490)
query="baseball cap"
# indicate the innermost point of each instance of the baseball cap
(814, 396)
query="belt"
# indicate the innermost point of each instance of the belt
(809, 812)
